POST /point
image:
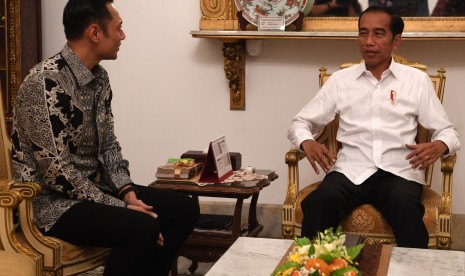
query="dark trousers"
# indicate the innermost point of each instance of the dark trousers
(132, 235)
(398, 200)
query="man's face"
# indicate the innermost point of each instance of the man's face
(375, 39)
(110, 40)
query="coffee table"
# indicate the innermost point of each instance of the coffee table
(209, 246)
(251, 256)
(259, 256)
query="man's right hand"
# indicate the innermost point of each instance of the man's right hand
(133, 203)
(318, 153)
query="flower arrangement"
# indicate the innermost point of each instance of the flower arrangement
(326, 255)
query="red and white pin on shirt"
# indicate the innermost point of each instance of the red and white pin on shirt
(393, 97)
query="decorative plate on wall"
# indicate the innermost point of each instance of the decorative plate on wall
(253, 9)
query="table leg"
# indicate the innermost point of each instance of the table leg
(237, 219)
(253, 222)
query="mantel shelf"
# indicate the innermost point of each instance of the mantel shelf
(245, 35)
(234, 50)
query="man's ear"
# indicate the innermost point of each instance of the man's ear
(92, 33)
(396, 41)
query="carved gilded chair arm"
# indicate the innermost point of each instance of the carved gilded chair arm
(447, 169)
(9, 200)
(293, 156)
(9, 240)
(28, 191)
(49, 247)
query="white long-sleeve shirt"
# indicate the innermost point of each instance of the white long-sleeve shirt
(376, 119)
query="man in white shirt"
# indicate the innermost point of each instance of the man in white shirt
(380, 104)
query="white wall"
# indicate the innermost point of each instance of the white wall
(171, 95)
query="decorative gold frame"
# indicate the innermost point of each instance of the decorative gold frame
(14, 57)
(22, 43)
(221, 15)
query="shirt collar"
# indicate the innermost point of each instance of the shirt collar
(393, 69)
(360, 70)
(82, 74)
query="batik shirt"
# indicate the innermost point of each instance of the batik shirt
(63, 137)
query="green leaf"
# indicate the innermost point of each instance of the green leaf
(302, 241)
(311, 250)
(354, 251)
(327, 258)
(336, 254)
(286, 266)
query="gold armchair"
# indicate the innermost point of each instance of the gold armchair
(59, 257)
(10, 243)
(366, 220)
(9, 200)
(50, 255)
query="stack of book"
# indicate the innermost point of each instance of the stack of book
(179, 169)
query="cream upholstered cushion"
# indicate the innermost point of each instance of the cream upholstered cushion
(367, 219)
(71, 252)
(16, 264)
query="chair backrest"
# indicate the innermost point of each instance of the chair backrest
(5, 145)
(327, 136)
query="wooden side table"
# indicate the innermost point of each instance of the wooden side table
(209, 246)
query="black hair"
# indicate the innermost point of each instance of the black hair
(79, 14)
(397, 24)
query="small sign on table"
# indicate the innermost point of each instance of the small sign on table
(217, 166)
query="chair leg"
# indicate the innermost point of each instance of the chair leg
(193, 267)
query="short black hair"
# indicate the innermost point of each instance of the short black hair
(397, 24)
(79, 14)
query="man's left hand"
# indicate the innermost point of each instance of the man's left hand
(424, 154)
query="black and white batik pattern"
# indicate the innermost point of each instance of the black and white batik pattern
(63, 136)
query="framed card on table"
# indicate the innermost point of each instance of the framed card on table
(217, 166)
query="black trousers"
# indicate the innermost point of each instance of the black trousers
(398, 200)
(132, 235)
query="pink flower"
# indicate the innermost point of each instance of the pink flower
(259, 10)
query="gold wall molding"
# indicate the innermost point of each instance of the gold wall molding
(22, 47)
(234, 68)
(221, 15)
(14, 56)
